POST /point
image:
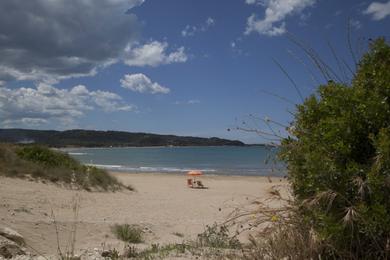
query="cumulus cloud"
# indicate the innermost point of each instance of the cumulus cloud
(142, 84)
(192, 30)
(47, 40)
(276, 11)
(378, 11)
(45, 103)
(153, 54)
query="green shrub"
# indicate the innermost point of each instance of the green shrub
(338, 159)
(44, 156)
(128, 233)
(99, 178)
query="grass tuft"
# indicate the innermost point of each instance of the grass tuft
(128, 233)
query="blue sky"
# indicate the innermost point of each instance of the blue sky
(186, 67)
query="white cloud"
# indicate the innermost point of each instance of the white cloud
(235, 46)
(109, 102)
(45, 103)
(49, 41)
(355, 24)
(46, 40)
(141, 83)
(153, 54)
(192, 30)
(255, 2)
(378, 11)
(275, 13)
(188, 102)
(189, 31)
(210, 21)
(193, 101)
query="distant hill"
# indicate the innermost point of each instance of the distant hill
(91, 138)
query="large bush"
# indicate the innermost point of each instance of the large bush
(338, 159)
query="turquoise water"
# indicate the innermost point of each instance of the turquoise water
(224, 160)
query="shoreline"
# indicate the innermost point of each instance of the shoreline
(162, 146)
(184, 174)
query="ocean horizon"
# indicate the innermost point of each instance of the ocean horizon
(212, 160)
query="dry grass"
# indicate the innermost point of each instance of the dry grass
(276, 233)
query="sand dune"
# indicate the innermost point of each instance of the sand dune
(162, 204)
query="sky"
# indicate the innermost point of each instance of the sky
(185, 67)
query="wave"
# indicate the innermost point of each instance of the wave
(147, 168)
(74, 153)
(172, 169)
(208, 171)
(105, 166)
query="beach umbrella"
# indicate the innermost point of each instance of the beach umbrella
(194, 173)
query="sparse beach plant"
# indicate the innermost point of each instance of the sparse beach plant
(68, 252)
(130, 252)
(113, 254)
(218, 236)
(156, 251)
(128, 233)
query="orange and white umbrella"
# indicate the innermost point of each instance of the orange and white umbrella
(194, 173)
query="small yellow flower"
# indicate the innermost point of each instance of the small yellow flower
(274, 218)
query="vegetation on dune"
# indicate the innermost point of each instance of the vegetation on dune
(217, 236)
(42, 163)
(156, 251)
(214, 243)
(338, 159)
(128, 233)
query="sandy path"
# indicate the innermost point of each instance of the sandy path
(162, 203)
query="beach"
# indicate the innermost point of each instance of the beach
(163, 205)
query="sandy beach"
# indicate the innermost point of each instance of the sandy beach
(162, 204)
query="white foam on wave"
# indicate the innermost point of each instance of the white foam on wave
(74, 153)
(171, 169)
(105, 166)
(147, 168)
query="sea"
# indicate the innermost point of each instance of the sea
(215, 160)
